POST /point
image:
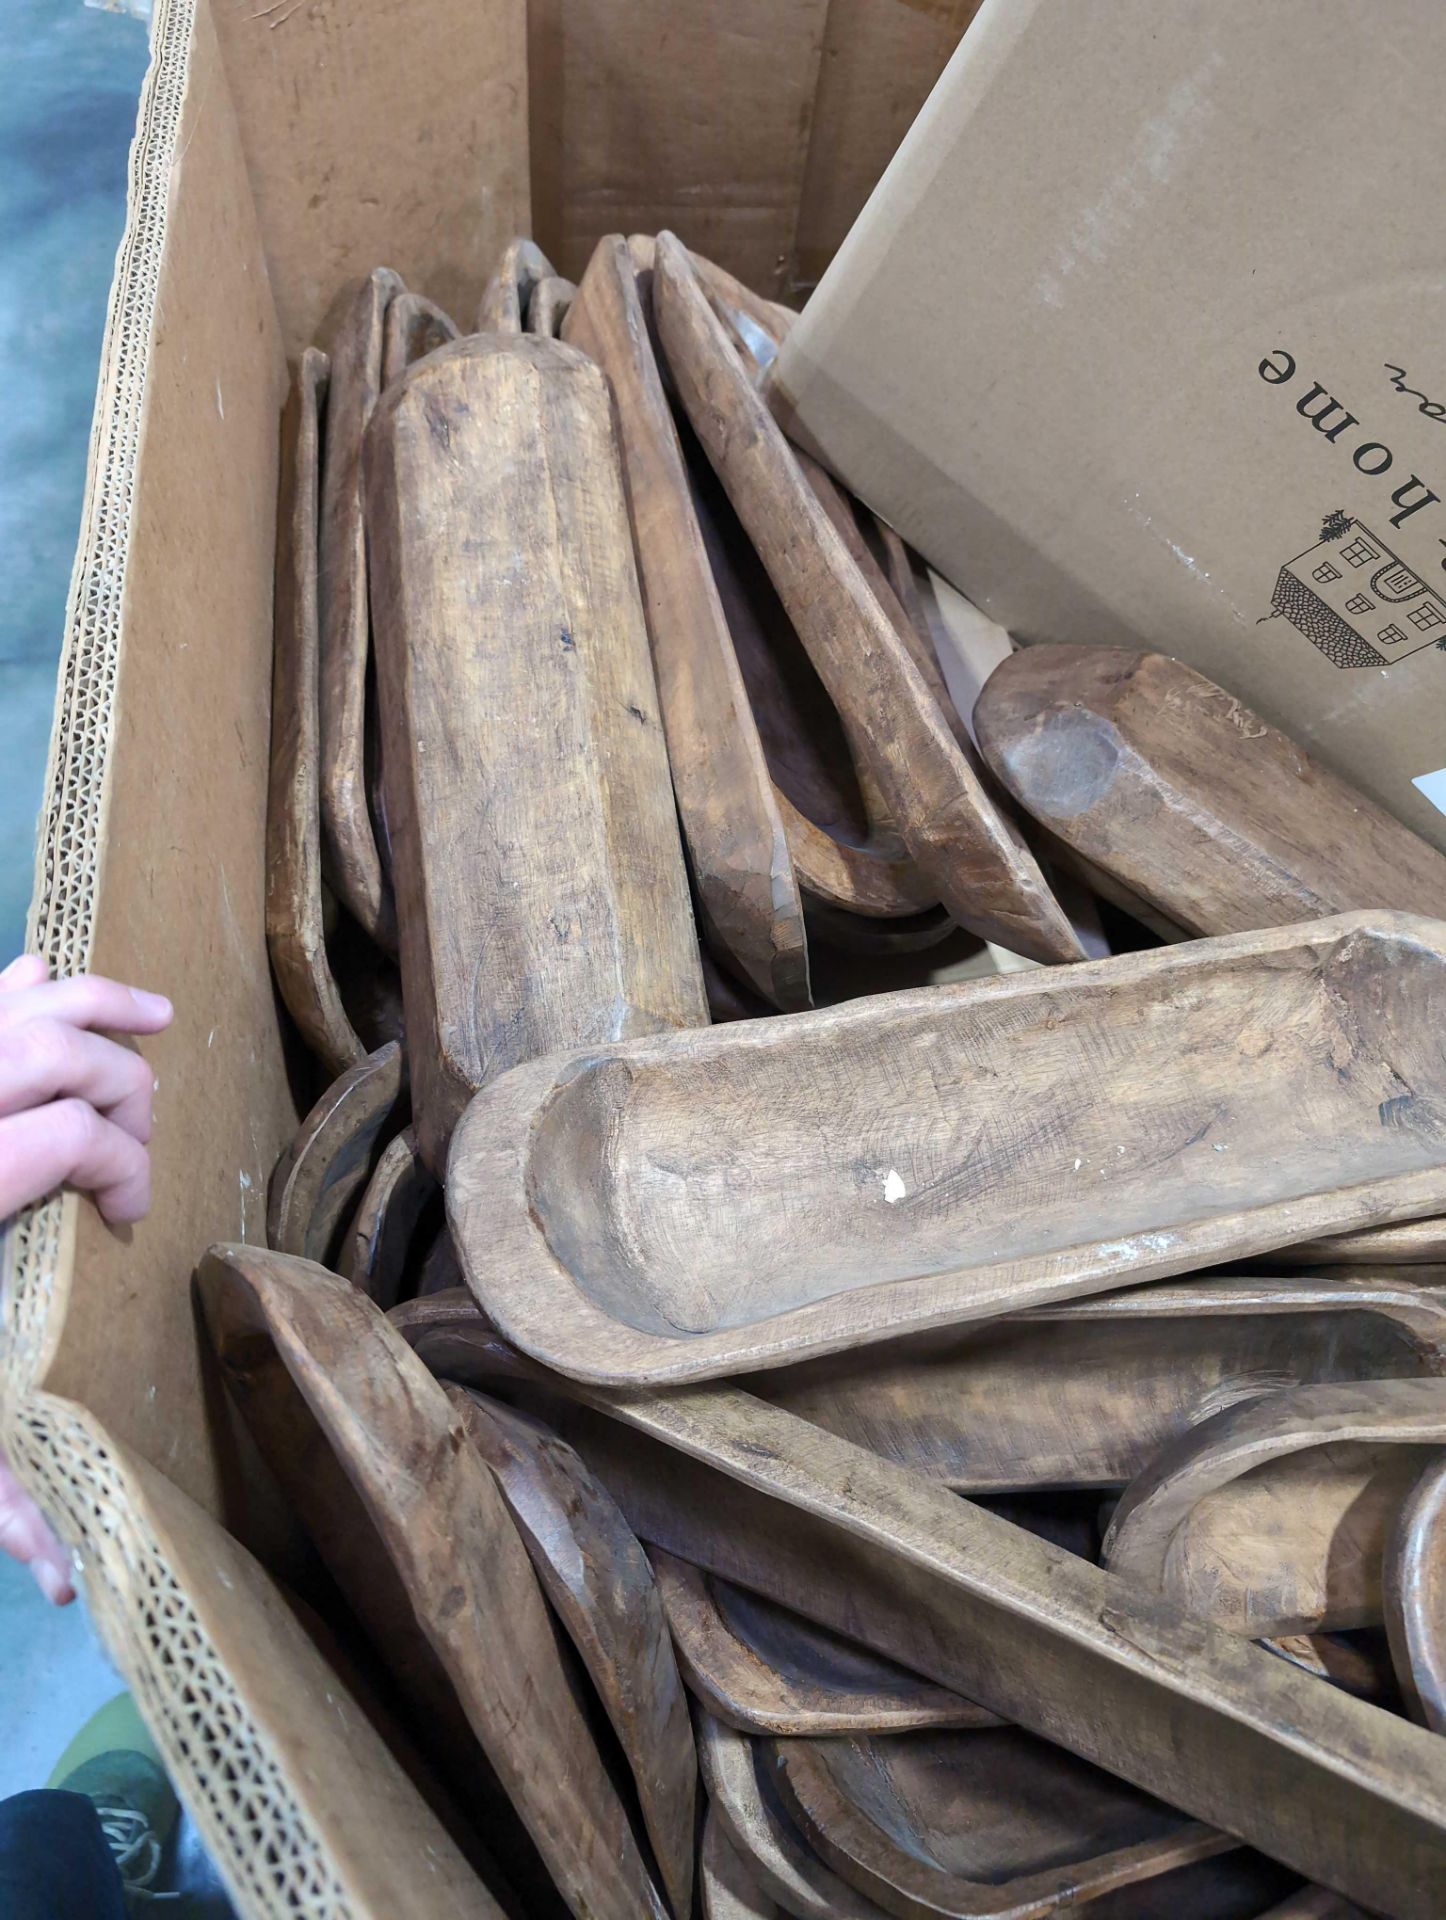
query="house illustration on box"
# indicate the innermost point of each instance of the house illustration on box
(1356, 600)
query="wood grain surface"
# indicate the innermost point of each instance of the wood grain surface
(548, 306)
(975, 1823)
(729, 1891)
(380, 1240)
(1329, 1785)
(413, 326)
(543, 894)
(295, 904)
(352, 862)
(1175, 788)
(505, 298)
(698, 1204)
(330, 1161)
(1410, 1243)
(737, 847)
(602, 1588)
(965, 848)
(1273, 1517)
(1415, 1596)
(435, 1542)
(774, 1853)
(762, 1668)
(1085, 1393)
(846, 850)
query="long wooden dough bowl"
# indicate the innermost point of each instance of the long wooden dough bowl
(961, 843)
(349, 847)
(411, 1522)
(1175, 788)
(736, 842)
(697, 1204)
(295, 902)
(1274, 1517)
(1085, 1393)
(539, 872)
(603, 1591)
(762, 1668)
(993, 1822)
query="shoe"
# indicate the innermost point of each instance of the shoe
(113, 1762)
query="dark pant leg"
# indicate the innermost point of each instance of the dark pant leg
(54, 1862)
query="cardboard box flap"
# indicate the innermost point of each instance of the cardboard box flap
(1139, 323)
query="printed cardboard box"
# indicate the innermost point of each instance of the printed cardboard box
(1139, 340)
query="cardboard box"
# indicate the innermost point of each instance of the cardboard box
(281, 149)
(1139, 341)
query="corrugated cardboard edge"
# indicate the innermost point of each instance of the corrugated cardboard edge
(35, 1255)
(61, 911)
(321, 1828)
(272, 1859)
(273, 1851)
(59, 1456)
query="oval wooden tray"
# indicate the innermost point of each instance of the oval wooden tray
(523, 697)
(295, 903)
(1273, 1517)
(738, 852)
(1174, 788)
(411, 1523)
(602, 1588)
(698, 1204)
(978, 1823)
(1085, 1393)
(762, 1668)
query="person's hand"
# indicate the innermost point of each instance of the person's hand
(75, 1107)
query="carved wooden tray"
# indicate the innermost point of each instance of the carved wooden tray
(703, 1203)
(411, 1523)
(1085, 1393)
(976, 1823)
(762, 1668)
(1273, 1517)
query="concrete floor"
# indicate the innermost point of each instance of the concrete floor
(68, 112)
(72, 76)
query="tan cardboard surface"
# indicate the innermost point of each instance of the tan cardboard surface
(298, 1800)
(653, 114)
(880, 58)
(380, 133)
(177, 744)
(1081, 347)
